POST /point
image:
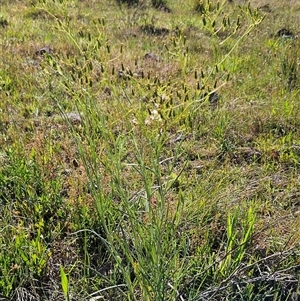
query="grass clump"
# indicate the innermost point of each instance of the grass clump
(149, 156)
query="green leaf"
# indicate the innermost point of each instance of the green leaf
(64, 282)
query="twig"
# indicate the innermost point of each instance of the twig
(172, 287)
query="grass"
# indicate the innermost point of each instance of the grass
(149, 151)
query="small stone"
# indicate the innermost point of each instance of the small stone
(44, 50)
(74, 117)
(67, 171)
(284, 33)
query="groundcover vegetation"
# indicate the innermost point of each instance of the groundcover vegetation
(150, 150)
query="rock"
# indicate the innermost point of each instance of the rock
(284, 33)
(44, 50)
(74, 117)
